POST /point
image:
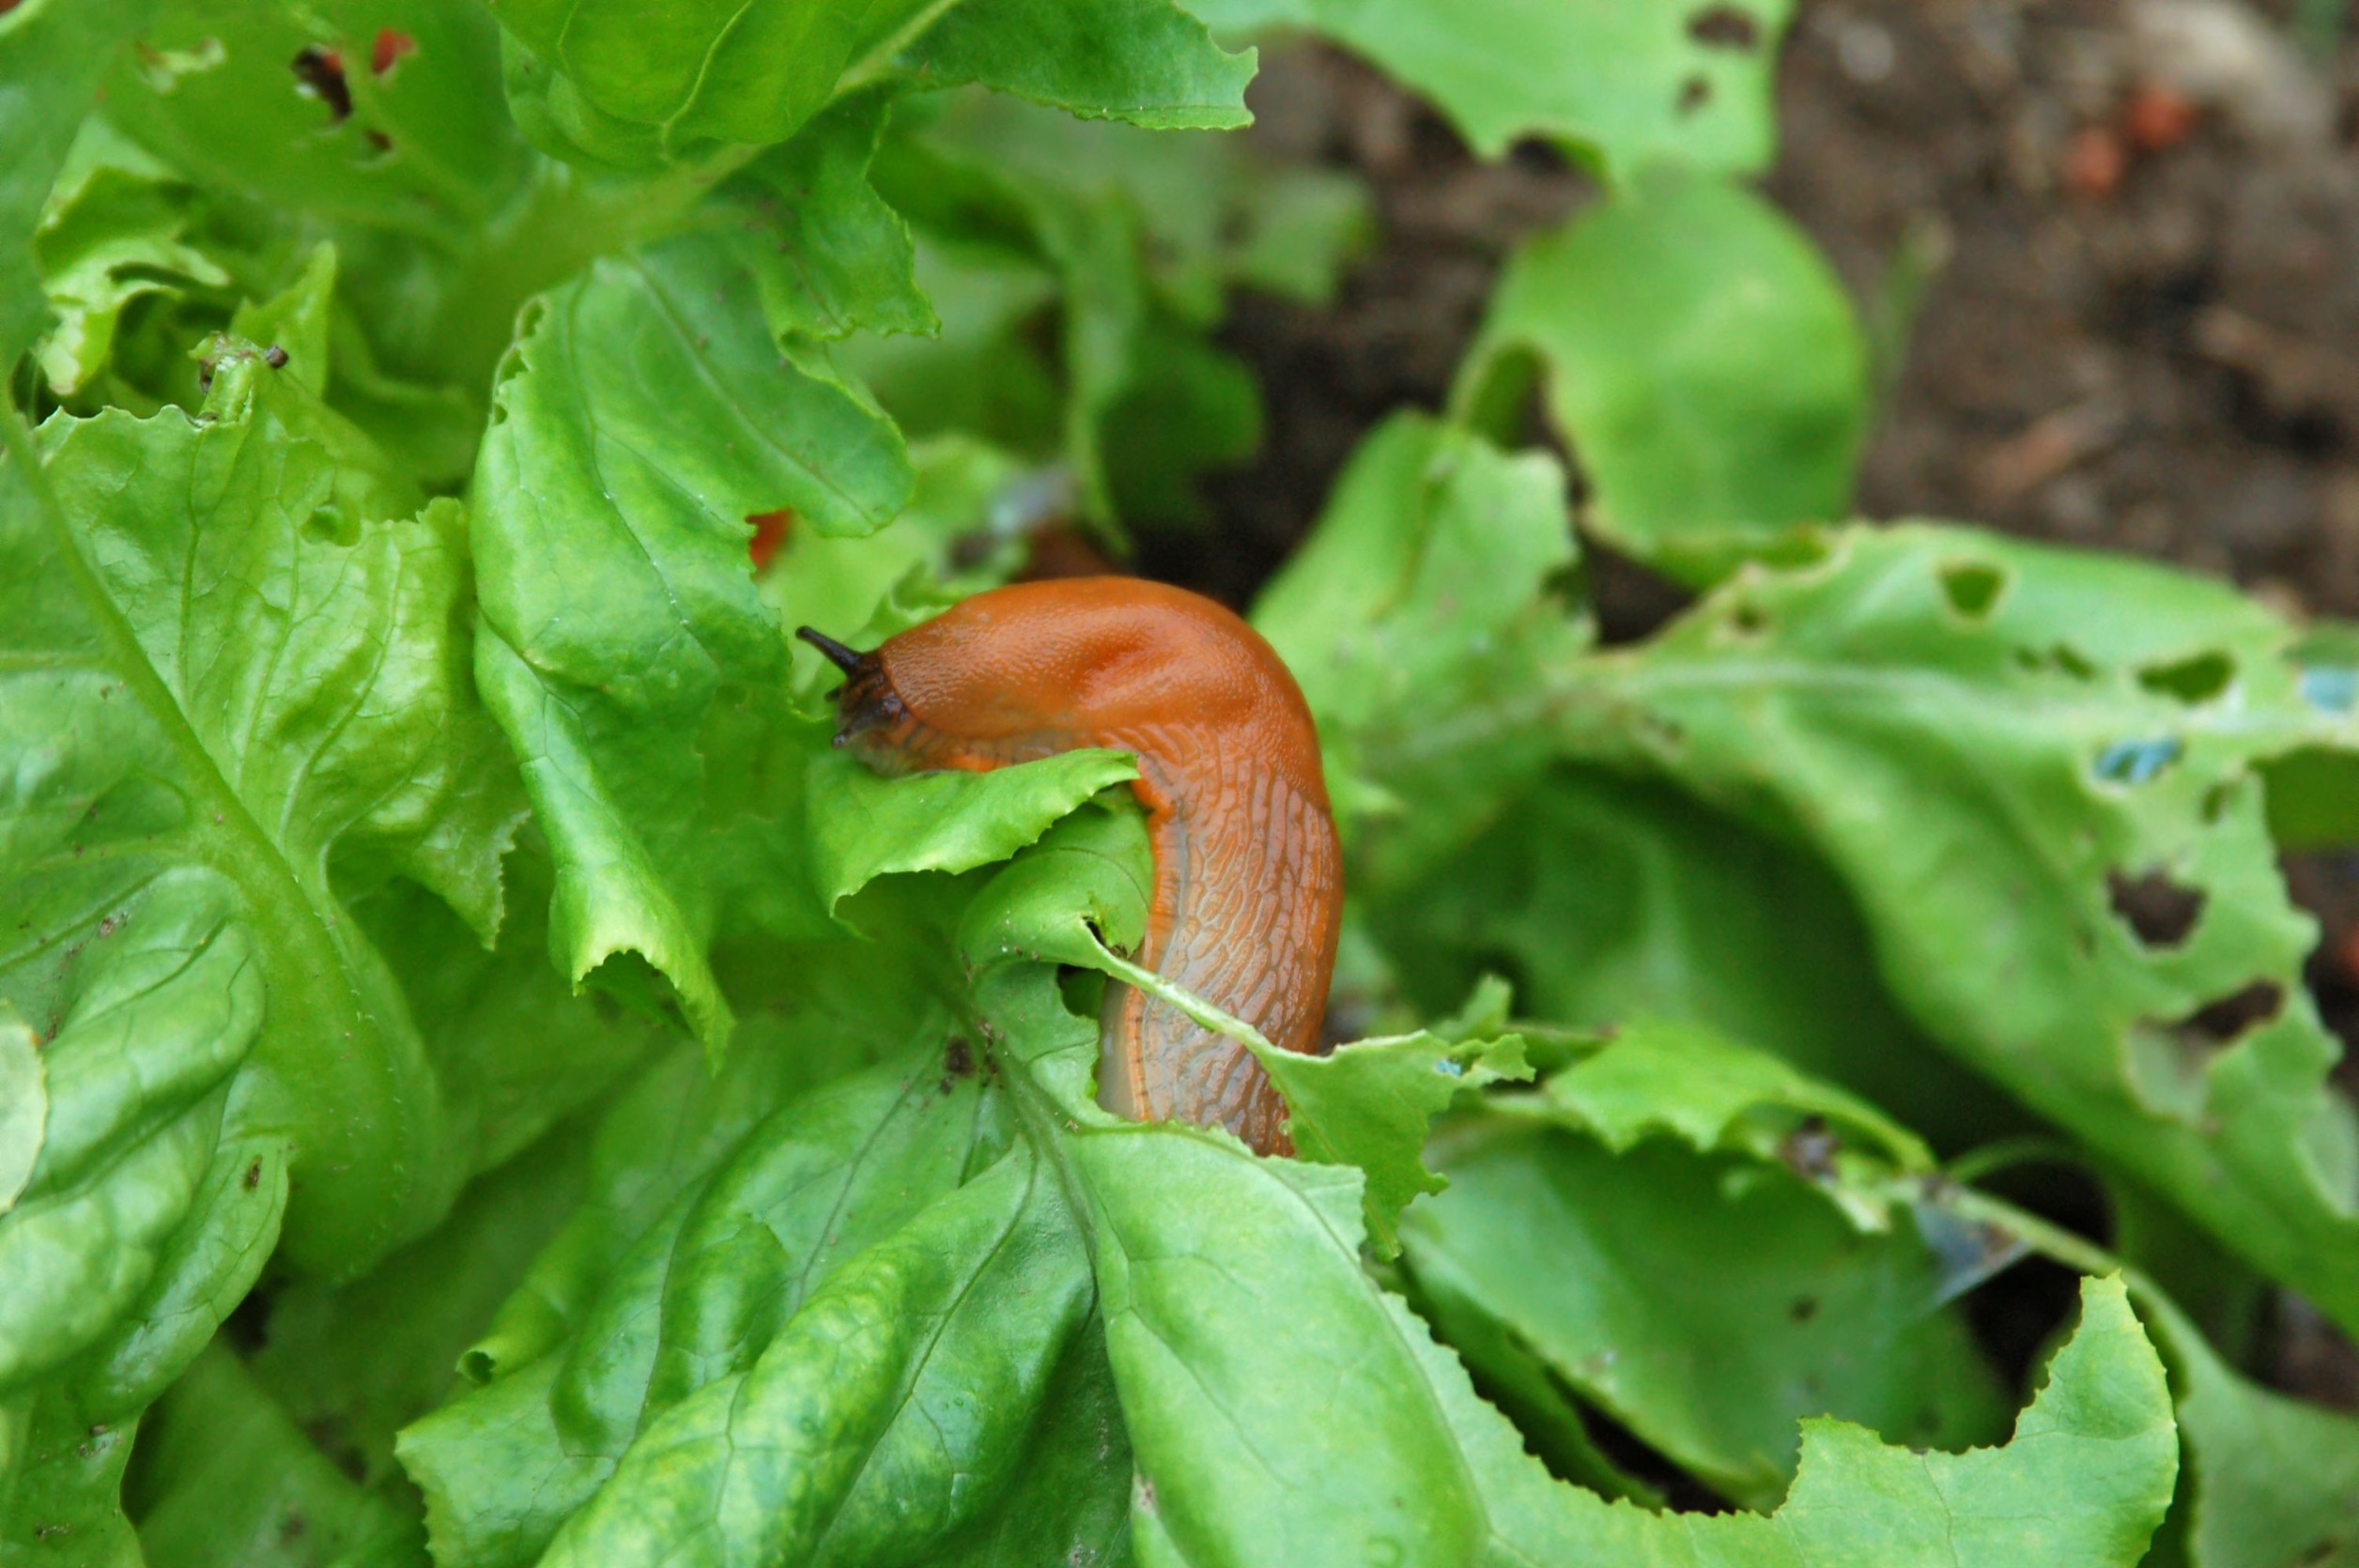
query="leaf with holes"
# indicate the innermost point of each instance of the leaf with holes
(2045, 778)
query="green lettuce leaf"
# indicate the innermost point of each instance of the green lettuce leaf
(1627, 85)
(748, 1227)
(232, 1482)
(112, 233)
(2275, 1480)
(1613, 898)
(2044, 778)
(1139, 237)
(193, 808)
(645, 414)
(353, 1362)
(236, 791)
(380, 128)
(53, 55)
(886, 1415)
(601, 83)
(1145, 61)
(1371, 1103)
(1704, 1300)
(1702, 359)
(1425, 590)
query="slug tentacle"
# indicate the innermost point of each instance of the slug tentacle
(849, 660)
(1248, 872)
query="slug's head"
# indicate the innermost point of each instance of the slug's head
(870, 718)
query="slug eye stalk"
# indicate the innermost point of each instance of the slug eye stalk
(850, 660)
(866, 701)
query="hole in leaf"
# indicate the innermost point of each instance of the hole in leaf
(2170, 1060)
(319, 74)
(390, 49)
(1694, 93)
(2331, 688)
(2159, 910)
(2137, 761)
(1973, 588)
(2063, 658)
(1082, 989)
(2311, 794)
(1749, 619)
(1724, 27)
(1809, 1151)
(770, 531)
(2219, 1023)
(2197, 678)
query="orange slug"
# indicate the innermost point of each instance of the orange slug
(1248, 873)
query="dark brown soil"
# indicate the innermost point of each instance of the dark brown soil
(2140, 329)
(2166, 364)
(2149, 351)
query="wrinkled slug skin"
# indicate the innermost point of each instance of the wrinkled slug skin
(1248, 872)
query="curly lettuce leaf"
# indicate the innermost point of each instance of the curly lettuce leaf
(113, 232)
(645, 414)
(193, 806)
(1370, 1104)
(53, 55)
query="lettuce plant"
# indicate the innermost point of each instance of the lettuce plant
(483, 1082)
